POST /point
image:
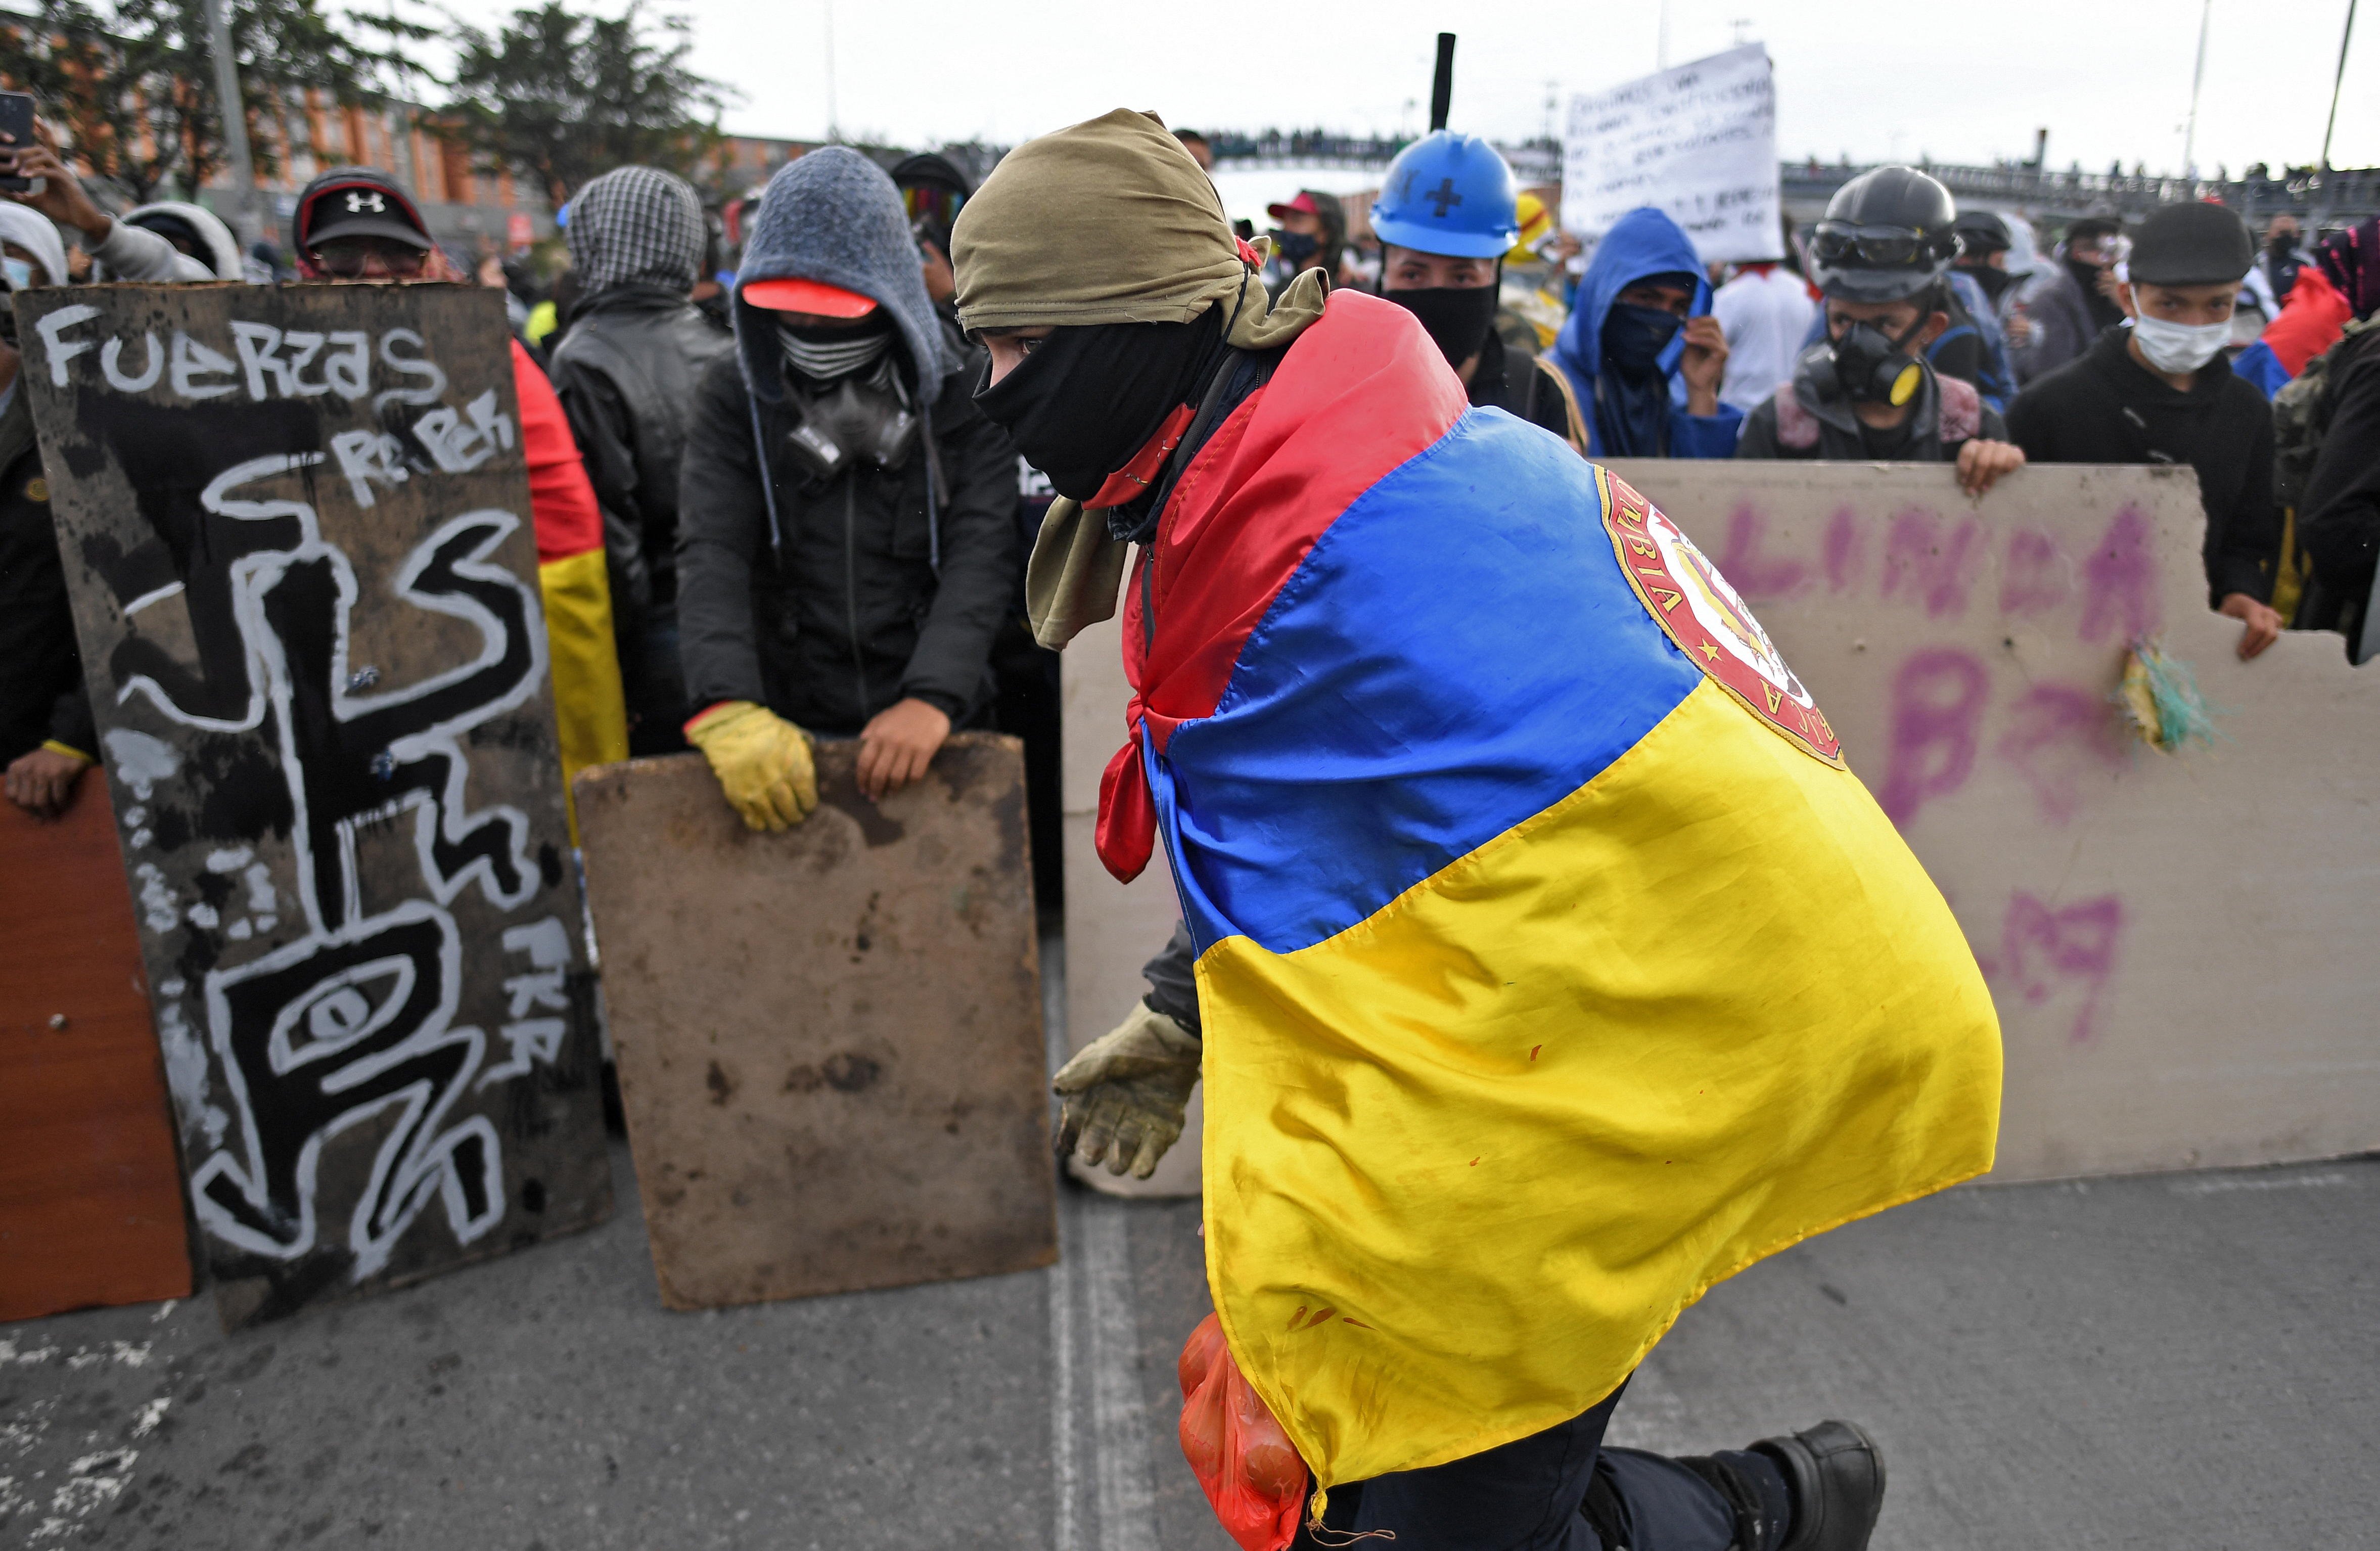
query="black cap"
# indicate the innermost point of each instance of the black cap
(1984, 231)
(2192, 244)
(356, 203)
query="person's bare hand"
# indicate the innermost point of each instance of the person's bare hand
(2264, 623)
(1981, 463)
(1704, 365)
(43, 782)
(897, 744)
(61, 197)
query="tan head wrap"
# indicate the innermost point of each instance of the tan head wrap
(1106, 221)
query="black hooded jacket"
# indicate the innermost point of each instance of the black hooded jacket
(2107, 407)
(42, 698)
(844, 614)
(828, 600)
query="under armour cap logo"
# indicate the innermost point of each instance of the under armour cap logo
(359, 202)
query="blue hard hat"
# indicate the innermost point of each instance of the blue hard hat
(1449, 193)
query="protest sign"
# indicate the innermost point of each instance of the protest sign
(830, 1039)
(1698, 143)
(295, 530)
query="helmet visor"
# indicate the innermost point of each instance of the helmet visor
(1872, 247)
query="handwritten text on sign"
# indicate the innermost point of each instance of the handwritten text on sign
(1698, 143)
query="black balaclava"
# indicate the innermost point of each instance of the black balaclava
(1457, 317)
(1994, 282)
(2105, 314)
(1087, 398)
(1632, 395)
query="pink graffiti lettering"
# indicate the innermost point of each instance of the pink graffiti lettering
(2120, 579)
(1754, 574)
(1935, 565)
(2041, 947)
(1846, 550)
(1937, 710)
(2060, 733)
(2038, 577)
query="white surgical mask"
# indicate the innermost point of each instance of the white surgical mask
(21, 274)
(2179, 347)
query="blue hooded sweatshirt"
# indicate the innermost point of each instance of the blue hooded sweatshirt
(1640, 244)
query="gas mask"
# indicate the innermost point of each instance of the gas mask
(851, 423)
(1872, 367)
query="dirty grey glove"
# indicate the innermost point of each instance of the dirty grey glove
(1125, 1092)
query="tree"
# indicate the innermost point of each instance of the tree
(563, 96)
(134, 79)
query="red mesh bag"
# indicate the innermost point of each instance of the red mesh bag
(1245, 1462)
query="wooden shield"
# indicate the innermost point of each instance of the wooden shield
(296, 527)
(829, 1040)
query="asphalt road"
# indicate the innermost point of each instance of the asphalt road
(2181, 1361)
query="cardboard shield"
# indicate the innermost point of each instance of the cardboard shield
(829, 1040)
(296, 529)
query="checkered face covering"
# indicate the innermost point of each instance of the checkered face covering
(637, 226)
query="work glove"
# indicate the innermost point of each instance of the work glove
(1126, 1091)
(762, 763)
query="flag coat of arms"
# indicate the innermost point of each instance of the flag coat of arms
(1552, 963)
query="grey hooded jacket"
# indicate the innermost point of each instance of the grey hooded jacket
(830, 601)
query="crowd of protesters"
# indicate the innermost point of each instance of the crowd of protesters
(781, 494)
(766, 421)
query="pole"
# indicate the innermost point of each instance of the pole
(2197, 77)
(1441, 85)
(833, 128)
(2336, 82)
(234, 112)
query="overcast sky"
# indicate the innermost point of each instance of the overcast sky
(1867, 77)
(1877, 78)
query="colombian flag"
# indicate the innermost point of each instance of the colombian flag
(591, 713)
(1552, 964)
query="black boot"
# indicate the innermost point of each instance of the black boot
(1837, 1480)
(1756, 1520)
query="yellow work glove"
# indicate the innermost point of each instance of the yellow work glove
(762, 763)
(1126, 1091)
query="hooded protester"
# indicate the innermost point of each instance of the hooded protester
(1869, 390)
(1447, 214)
(2162, 392)
(1413, 743)
(2338, 509)
(196, 232)
(357, 226)
(844, 548)
(933, 192)
(2071, 309)
(47, 738)
(626, 374)
(1645, 367)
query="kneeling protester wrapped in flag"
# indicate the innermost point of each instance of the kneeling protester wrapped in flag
(1552, 964)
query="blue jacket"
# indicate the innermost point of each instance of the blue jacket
(1641, 243)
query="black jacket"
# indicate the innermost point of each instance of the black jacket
(626, 374)
(41, 696)
(2105, 408)
(846, 615)
(2339, 527)
(1810, 418)
(1509, 379)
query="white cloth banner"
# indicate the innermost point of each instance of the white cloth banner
(1698, 143)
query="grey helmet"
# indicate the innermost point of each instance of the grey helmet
(1888, 234)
